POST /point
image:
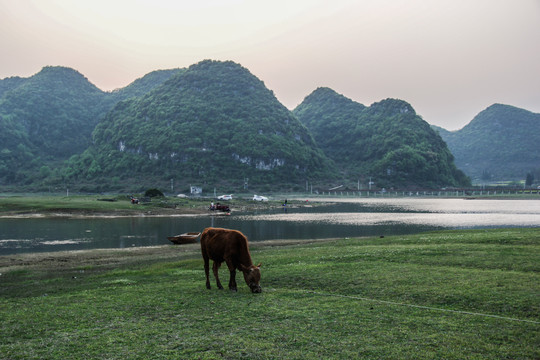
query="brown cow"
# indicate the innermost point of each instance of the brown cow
(232, 247)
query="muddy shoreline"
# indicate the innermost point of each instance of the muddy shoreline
(96, 260)
(76, 213)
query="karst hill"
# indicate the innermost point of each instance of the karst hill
(500, 143)
(386, 141)
(215, 124)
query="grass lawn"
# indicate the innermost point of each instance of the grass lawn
(118, 205)
(89, 204)
(441, 295)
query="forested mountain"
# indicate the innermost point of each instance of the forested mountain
(386, 141)
(318, 113)
(10, 83)
(50, 116)
(46, 117)
(500, 143)
(144, 85)
(217, 124)
(58, 108)
(214, 123)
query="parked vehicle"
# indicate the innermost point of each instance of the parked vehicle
(225, 197)
(260, 198)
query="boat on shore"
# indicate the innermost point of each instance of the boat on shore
(185, 238)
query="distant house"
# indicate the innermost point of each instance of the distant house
(195, 190)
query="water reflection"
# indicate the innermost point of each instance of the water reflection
(344, 218)
(450, 213)
(447, 206)
(430, 219)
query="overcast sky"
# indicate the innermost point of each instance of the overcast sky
(450, 59)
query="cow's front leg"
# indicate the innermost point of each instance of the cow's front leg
(232, 281)
(215, 268)
(232, 278)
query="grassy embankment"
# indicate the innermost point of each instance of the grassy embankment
(116, 205)
(101, 205)
(450, 294)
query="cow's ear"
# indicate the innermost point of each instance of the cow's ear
(258, 266)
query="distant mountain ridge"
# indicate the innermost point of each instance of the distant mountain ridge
(500, 143)
(46, 118)
(216, 124)
(145, 84)
(10, 83)
(386, 141)
(50, 116)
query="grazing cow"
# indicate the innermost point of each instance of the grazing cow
(231, 246)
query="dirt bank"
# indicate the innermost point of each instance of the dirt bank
(103, 259)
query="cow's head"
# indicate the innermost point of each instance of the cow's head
(252, 275)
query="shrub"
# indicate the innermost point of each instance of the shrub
(153, 193)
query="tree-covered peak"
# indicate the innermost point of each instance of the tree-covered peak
(500, 143)
(391, 107)
(229, 67)
(324, 96)
(214, 123)
(145, 84)
(226, 78)
(317, 109)
(51, 70)
(58, 77)
(10, 83)
(500, 116)
(386, 141)
(51, 115)
(57, 108)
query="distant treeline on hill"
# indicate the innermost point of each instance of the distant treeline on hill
(214, 124)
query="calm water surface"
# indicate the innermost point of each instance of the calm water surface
(344, 218)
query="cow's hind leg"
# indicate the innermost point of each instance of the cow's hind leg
(215, 268)
(207, 271)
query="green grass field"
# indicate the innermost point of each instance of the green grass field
(89, 205)
(441, 295)
(46, 204)
(94, 204)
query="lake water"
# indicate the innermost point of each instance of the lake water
(345, 218)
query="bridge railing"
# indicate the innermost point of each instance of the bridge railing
(469, 192)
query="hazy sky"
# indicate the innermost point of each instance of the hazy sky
(450, 59)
